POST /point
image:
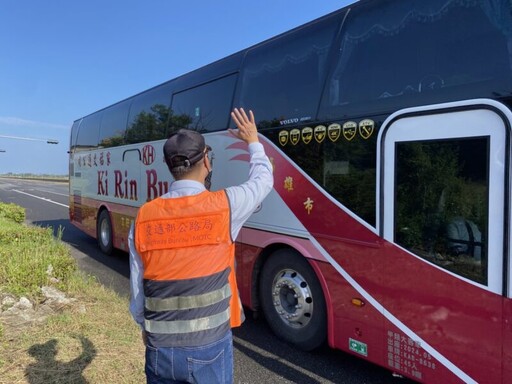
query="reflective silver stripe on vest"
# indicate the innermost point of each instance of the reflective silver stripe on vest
(186, 326)
(188, 302)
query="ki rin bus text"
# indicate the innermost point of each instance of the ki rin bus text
(124, 187)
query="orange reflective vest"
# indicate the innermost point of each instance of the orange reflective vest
(189, 269)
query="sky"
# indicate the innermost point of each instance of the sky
(61, 59)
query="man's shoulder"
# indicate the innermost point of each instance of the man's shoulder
(149, 204)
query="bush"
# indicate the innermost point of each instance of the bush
(12, 212)
(30, 257)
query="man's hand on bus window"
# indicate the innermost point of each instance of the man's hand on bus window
(247, 130)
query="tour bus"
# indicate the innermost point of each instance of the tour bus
(387, 233)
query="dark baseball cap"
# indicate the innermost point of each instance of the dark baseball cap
(184, 148)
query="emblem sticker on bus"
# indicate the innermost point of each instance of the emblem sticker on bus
(358, 347)
(334, 132)
(283, 138)
(148, 154)
(294, 136)
(349, 130)
(307, 135)
(366, 128)
(319, 133)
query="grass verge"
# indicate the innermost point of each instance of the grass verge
(94, 340)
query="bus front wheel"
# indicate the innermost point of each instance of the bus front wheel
(292, 300)
(104, 233)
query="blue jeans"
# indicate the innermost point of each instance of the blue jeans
(209, 364)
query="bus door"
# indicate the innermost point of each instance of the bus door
(442, 209)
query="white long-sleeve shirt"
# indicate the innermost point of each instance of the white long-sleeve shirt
(243, 200)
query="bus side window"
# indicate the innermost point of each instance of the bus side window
(113, 125)
(441, 204)
(148, 118)
(282, 79)
(204, 108)
(413, 52)
(88, 133)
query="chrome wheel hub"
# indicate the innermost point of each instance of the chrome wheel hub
(292, 298)
(104, 232)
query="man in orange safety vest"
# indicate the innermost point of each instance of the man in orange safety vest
(182, 261)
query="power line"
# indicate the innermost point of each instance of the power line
(48, 141)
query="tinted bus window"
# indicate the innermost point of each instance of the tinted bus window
(113, 125)
(74, 134)
(344, 166)
(205, 108)
(413, 52)
(441, 205)
(89, 132)
(149, 114)
(282, 79)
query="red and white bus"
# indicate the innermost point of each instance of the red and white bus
(388, 231)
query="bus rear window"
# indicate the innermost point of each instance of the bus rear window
(74, 134)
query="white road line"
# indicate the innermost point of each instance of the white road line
(55, 193)
(41, 198)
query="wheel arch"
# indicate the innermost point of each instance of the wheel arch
(101, 208)
(256, 271)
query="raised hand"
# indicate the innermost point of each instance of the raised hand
(247, 130)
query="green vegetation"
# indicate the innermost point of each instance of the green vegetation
(12, 212)
(155, 124)
(91, 340)
(32, 176)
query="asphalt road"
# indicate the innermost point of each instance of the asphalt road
(259, 356)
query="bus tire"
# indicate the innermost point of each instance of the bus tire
(292, 300)
(104, 232)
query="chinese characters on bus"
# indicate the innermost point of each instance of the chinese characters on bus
(406, 355)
